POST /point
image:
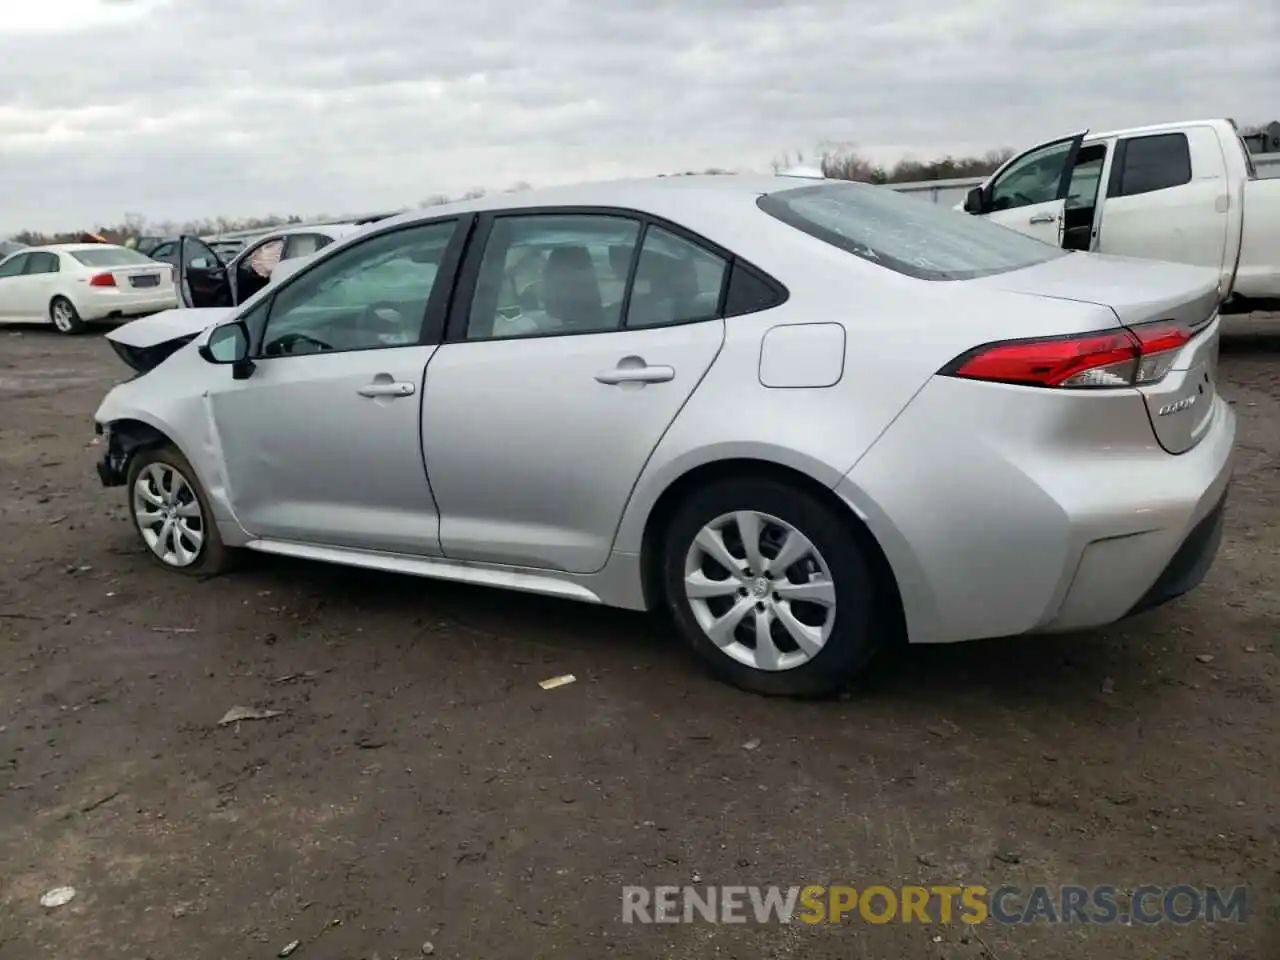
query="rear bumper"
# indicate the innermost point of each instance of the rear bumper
(110, 306)
(1190, 564)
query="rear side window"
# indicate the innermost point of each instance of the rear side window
(1151, 163)
(111, 257)
(42, 263)
(750, 292)
(921, 240)
(675, 281)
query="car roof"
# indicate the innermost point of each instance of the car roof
(661, 196)
(337, 229)
(74, 247)
(332, 229)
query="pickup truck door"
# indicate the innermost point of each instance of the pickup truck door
(1169, 197)
(1029, 193)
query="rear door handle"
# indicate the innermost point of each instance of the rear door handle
(393, 388)
(644, 374)
(1043, 218)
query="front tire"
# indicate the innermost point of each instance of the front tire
(171, 514)
(65, 317)
(771, 588)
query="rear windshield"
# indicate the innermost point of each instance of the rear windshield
(111, 257)
(915, 237)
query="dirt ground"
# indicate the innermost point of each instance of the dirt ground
(418, 786)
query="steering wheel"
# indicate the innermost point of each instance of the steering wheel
(286, 343)
(1023, 198)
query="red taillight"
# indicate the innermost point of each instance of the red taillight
(103, 280)
(1133, 356)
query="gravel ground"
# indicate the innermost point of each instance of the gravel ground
(418, 786)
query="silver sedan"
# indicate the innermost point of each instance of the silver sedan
(806, 417)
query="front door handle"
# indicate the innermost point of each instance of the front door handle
(1043, 218)
(388, 388)
(644, 374)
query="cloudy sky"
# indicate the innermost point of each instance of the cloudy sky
(178, 109)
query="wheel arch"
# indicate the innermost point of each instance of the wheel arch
(664, 508)
(54, 298)
(132, 434)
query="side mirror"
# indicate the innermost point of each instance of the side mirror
(229, 344)
(973, 201)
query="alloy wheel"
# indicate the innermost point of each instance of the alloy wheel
(168, 514)
(63, 317)
(760, 590)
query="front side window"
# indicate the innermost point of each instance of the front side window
(1034, 178)
(198, 255)
(921, 240)
(368, 296)
(1085, 176)
(14, 265)
(1153, 163)
(553, 273)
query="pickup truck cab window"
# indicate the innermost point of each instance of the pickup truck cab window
(1146, 164)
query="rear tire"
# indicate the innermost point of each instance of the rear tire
(65, 317)
(805, 630)
(172, 516)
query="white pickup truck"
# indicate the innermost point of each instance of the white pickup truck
(1186, 192)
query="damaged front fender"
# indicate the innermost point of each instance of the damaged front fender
(123, 439)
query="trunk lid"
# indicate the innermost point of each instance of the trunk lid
(1141, 292)
(1181, 404)
(150, 278)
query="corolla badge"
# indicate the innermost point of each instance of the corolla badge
(1176, 407)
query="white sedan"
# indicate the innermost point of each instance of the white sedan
(72, 284)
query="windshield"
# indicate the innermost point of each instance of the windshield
(910, 236)
(111, 257)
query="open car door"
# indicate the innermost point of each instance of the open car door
(1029, 193)
(202, 276)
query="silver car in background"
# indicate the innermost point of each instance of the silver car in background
(806, 417)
